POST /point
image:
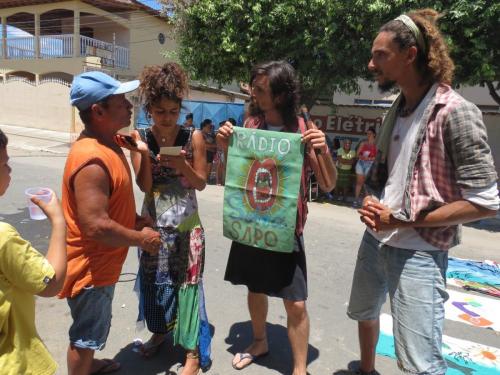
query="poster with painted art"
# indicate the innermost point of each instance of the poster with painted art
(262, 187)
(473, 310)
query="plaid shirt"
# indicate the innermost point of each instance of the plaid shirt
(451, 152)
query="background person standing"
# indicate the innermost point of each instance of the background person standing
(366, 155)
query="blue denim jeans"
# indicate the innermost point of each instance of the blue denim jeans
(416, 284)
(91, 313)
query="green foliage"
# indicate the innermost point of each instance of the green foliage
(328, 41)
(473, 27)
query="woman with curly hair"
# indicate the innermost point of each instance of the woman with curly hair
(170, 284)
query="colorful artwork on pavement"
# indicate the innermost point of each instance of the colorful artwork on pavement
(473, 286)
(475, 310)
(262, 186)
(463, 357)
(482, 277)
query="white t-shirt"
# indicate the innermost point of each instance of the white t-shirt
(403, 138)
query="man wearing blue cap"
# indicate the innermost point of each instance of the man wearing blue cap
(99, 208)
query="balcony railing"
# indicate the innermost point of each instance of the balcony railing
(61, 46)
(21, 47)
(111, 55)
(55, 46)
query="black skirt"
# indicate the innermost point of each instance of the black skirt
(275, 274)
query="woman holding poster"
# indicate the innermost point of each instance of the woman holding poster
(274, 99)
(169, 164)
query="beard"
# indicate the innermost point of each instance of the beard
(254, 109)
(386, 86)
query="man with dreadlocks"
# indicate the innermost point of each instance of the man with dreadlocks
(433, 172)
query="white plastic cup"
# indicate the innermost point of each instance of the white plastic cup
(41, 193)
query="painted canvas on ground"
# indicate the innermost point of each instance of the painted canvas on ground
(474, 310)
(482, 277)
(262, 187)
(463, 357)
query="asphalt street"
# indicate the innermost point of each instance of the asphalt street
(332, 236)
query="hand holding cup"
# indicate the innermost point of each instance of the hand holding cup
(43, 203)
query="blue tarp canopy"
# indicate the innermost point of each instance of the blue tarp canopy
(215, 111)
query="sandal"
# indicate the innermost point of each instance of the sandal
(107, 367)
(243, 356)
(248, 356)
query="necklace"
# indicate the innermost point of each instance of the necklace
(159, 136)
(405, 112)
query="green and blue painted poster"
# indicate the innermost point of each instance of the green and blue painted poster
(262, 186)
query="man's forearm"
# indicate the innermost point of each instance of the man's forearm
(459, 212)
(109, 232)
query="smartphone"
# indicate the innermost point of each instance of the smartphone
(127, 138)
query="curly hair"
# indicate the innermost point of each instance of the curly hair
(157, 82)
(434, 62)
(284, 84)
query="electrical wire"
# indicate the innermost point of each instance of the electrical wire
(90, 15)
(132, 277)
(84, 23)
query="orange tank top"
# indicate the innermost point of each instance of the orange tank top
(90, 262)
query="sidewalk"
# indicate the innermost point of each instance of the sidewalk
(37, 140)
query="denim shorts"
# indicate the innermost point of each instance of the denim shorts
(91, 313)
(363, 167)
(416, 284)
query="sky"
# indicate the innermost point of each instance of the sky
(151, 3)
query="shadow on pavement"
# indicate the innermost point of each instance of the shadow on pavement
(167, 357)
(280, 354)
(37, 232)
(351, 369)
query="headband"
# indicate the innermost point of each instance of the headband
(414, 30)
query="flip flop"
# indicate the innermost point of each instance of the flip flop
(108, 367)
(249, 356)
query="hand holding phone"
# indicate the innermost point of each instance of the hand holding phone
(131, 141)
(124, 140)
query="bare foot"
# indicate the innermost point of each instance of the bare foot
(191, 367)
(257, 349)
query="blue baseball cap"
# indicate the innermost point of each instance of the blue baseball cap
(90, 87)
